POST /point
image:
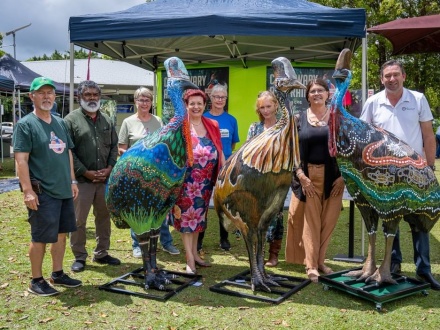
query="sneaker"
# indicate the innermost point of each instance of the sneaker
(42, 288)
(225, 245)
(65, 280)
(137, 253)
(108, 259)
(171, 249)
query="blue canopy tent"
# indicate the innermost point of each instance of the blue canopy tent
(204, 31)
(6, 84)
(230, 33)
(22, 76)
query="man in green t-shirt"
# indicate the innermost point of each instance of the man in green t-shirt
(45, 170)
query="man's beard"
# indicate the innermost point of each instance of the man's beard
(91, 106)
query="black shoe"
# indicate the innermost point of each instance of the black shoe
(427, 277)
(78, 266)
(108, 259)
(65, 280)
(225, 245)
(42, 288)
(395, 268)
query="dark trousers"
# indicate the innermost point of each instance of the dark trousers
(421, 251)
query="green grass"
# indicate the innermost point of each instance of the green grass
(87, 307)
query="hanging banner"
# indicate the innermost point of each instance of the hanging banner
(205, 79)
(297, 98)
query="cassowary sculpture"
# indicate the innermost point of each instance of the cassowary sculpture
(147, 179)
(252, 185)
(386, 178)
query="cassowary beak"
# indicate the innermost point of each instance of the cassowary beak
(285, 76)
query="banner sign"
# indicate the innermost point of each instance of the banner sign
(297, 97)
(205, 79)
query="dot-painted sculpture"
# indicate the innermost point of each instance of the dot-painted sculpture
(252, 186)
(147, 179)
(386, 178)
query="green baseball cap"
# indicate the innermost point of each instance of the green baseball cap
(39, 82)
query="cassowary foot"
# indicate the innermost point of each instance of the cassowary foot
(263, 283)
(360, 275)
(381, 276)
(157, 279)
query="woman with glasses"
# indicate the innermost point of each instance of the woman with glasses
(229, 137)
(317, 187)
(133, 128)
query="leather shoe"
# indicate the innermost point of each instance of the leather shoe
(395, 268)
(78, 266)
(427, 277)
(108, 259)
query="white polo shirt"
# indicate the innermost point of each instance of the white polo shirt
(403, 120)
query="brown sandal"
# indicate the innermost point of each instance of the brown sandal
(325, 269)
(312, 274)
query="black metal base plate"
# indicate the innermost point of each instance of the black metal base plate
(137, 281)
(377, 293)
(240, 286)
(346, 258)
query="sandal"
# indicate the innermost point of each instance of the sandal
(325, 269)
(312, 274)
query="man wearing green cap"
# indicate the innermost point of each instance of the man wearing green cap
(45, 169)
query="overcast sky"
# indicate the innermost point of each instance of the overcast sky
(50, 21)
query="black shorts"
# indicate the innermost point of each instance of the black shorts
(53, 216)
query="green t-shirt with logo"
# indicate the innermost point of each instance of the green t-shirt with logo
(48, 147)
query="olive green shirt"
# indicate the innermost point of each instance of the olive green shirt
(96, 142)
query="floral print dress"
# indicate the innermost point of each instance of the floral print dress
(189, 213)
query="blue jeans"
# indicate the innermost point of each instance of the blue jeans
(421, 251)
(165, 236)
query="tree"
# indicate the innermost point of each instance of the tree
(56, 55)
(421, 69)
(1, 43)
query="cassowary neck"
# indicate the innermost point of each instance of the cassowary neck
(338, 112)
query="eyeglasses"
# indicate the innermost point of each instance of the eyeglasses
(219, 98)
(143, 101)
(317, 91)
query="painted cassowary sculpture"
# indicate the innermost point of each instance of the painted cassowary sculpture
(253, 184)
(386, 178)
(147, 179)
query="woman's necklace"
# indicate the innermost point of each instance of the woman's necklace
(196, 124)
(318, 122)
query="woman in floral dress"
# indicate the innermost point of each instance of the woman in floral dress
(189, 213)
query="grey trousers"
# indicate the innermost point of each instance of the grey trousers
(91, 194)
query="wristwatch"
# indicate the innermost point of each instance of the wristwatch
(74, 182)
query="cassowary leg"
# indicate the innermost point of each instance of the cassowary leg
(268, 280)
(370, 264)
(383, 273)
(148, 245)
(257, 277)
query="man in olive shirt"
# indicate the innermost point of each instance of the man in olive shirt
(94, 155)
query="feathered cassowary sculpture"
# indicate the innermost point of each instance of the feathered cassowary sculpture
(253, 184)
(147, 179)
(386, 178)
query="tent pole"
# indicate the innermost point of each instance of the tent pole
(364, 99)
(72, 62)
